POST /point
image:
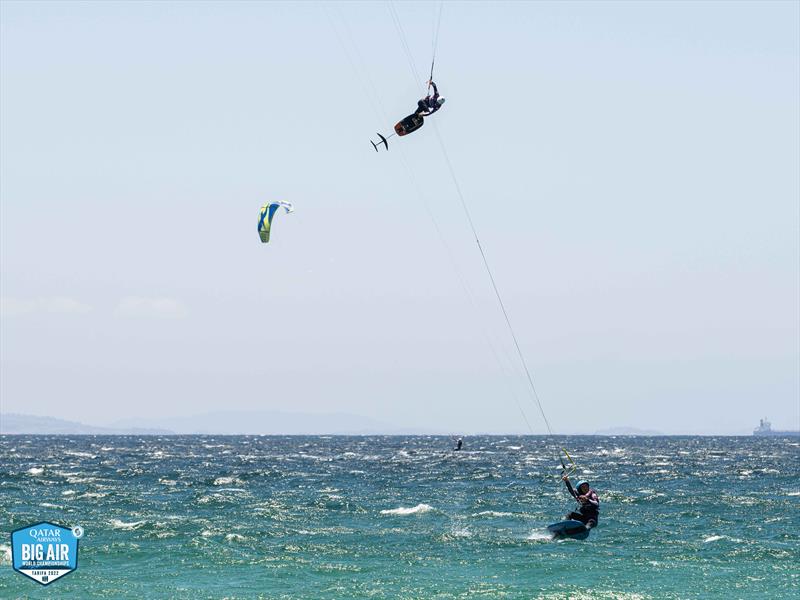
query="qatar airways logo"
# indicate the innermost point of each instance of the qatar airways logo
(45, 551)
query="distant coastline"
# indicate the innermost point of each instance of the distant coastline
(276, 423)
(217, 423)
(17, 424)
(628, 431)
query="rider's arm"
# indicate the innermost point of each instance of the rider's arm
(435, 89)
(572, 492)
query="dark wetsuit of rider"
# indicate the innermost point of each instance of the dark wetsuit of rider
(589, 510)
(430, 103)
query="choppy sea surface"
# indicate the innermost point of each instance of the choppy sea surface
(406, 517)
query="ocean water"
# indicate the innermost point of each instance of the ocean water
(405, 517)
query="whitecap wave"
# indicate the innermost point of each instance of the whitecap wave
(76, 480)
(226, 480)
(118, 524)
(593, 595)
(492, 513)
(77, 454)
(403, 511)
(460, 532)
(35, 471)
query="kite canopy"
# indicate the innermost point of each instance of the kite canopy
(266, 215)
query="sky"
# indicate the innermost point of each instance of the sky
(632, 171)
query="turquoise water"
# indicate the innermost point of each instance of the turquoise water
(404, 517)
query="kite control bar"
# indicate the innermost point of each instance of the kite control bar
(568, 470)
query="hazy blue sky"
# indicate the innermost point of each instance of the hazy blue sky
(632, 169)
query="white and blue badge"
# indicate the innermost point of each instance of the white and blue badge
(45, 551)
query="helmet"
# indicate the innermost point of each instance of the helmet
(440, 100)
(580, 483)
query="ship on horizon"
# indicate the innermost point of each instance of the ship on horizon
(765, 429)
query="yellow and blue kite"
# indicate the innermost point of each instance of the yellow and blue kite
(266, 215)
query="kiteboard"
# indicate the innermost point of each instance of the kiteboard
(569, 529)
(410, 124)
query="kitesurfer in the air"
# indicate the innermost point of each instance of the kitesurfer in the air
(425, 108)
(589, 504)
(430, 103)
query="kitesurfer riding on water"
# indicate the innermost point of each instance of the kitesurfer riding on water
(589, 509)
(430, 103)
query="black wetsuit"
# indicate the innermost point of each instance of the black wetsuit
(429, 104)
(589, 513)
(458, 445)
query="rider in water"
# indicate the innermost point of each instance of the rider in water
(589, 510)
(430, 103)
(459, 443)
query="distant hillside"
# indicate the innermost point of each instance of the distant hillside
(271, 423)
(16, 424)
(627, 431)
